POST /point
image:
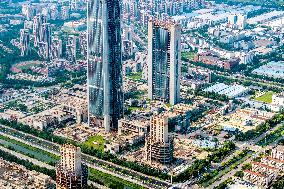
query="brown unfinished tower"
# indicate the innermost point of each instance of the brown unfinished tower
(70, 172)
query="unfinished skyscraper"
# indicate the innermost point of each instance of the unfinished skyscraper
(159, 144)
(70, 173)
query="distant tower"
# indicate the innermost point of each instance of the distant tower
(56, 48)
(45, 41)
(237, 21)
(83, 44)
(164, 61)
(24, 42)
(46, 12)
(70, 173)
(104, 63)
(53, 12)
(28, 11)
(38, 21)
(242, 21)
(71, 49)
(73, 4)
(65, 13)
(159, 144)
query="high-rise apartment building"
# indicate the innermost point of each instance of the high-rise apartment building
(159, 144)
(45, 41)
(38, 21)
(83, 44)
(56, 48)
(104, 63)
(73, 4)
(164, 61)
(28, 11)
(65, 13)
(24, 42)
(53, 12)
(71, 48)
(70, 172)
(237, 21)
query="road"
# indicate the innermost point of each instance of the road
(97, 185)
(104, 166)
(252, 146)
(113, 169)
(41, 164)
(229, 174)
(243, 78)
(24, 157)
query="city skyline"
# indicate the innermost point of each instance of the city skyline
(142, 94)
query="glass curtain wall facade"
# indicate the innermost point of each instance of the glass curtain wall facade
(104, 63)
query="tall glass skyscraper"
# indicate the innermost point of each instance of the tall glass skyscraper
(104, 63)
(164, 65)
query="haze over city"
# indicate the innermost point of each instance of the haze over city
(142, 94)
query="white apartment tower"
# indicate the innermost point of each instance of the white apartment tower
(237, 21)
(56, 48)
(73, 4)
(164, 61)
(24, 42)
(65, 13)
(71, 48)
(71, 158)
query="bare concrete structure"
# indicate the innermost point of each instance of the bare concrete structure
(70, 172)
(159, 145)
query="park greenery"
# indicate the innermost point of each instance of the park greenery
(110, 181)
(188, 55)
(96, 142)
(200, 166)
(210, 177)
(224, 184)
(267, 97)
(239, 174)
(212, 95)
(91, 150)
(281, 142)
(135, 76)
(274, 135)
(278, 184)
(29, 165)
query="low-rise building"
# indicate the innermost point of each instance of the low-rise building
(278, 153)
(14, 176)
(272, 69)
(210, 59)
(47, 119)
(245, 119)
(133, 131)
(268, 170)
(258, 178)
(278, 99)
(231, 91)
